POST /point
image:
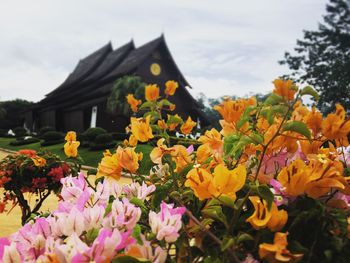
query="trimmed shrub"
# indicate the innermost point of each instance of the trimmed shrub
(91, 133)
(119, 136)
(24, 141)
(48, 143)
(103, 138)
(101, 146)
(3, 133)
(19, 132)
(52, 137)
(45, 129)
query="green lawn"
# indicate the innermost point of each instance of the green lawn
(91, 158)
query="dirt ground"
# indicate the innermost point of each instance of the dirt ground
(9, 223)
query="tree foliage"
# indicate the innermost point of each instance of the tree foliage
(116, 102)
(10, 112)
(322, 57)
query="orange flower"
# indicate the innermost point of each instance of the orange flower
(278, 219)
(278, 252)
(261, 215)
(284, 88)
(151, 92)
(170, 87)
(158, 152)
(172, 107)
(134, 103)
(71, 136)
(187, 127)
(29, 153)
(336, 127)
(71, 148)
(181, 157)
(198, 180)
(314, 121)
(38, 161)
(173, 121)
(109, 166)
(227, 182)
(162, 124)
(232, 110)
(141, 128)
(131, 142)
(128, 159)
(213, 139)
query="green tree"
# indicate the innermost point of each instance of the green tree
(322, 57)
(116, 102)
(12, 110)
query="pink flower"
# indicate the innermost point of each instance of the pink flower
(190, 149)
(138, 191)
(123, 215)
(167, 223)
(3, 243)
(11, 254)
(68, 223)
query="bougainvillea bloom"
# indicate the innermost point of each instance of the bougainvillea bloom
(71, 148)
(151, 92)
(158, 152)
(133, 102)
(141, 128)
(128, 159)
(71, 136)
(170, 87)
(278, 252)
(187, 126)
(167, 223)
(109, 166)
(198, 180)
(284, 88)
(39, 161)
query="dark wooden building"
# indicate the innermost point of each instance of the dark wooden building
(80, 101)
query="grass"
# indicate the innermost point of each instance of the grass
(91, 158)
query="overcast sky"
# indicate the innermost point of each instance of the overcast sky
(221, 47)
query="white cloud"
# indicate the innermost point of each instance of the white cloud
(232, 45)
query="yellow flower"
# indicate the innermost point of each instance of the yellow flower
(170, 87)
(151, 92)
(128, 159)
(71, 148)
(181, 157)
(278, 219)
(261, 215)
(232, 110)
(109, 166)
(134, 103)
(278, 252)
(158, 152)
(131, 142)
(198, 180)
(39, 161)
(213, 139)
(162, 124)
(187, 127)
(336, 127)
(227, 182)
(172, 107)
(141, 128)
(284, 88)
(71, 136)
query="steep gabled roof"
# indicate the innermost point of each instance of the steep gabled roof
(135, 58)
(84, 68)
(112, 60)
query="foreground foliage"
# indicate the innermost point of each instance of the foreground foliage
(271, 186)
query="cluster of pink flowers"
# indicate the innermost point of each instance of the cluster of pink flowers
(95, 224)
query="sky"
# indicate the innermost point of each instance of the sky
(222, 47)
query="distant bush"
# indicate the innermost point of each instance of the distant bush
(3, 133)
(91, 133)
(45, 129)
(24, 141)
(103, 138)
(119, 136)
(51, 138)
(19, 131)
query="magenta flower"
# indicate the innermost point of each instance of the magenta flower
(167, 223)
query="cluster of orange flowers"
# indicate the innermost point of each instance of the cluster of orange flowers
(71, 145)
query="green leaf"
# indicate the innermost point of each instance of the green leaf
(227, 242)
(244, 237)
(229, 142)
(108, 209)
(138, 202)
(136, 233)
(273, 99)
(164, 102)
(91, 235)
(265, 193)
(227, 201)
(299, 127)
(146, 104)
(215, 212)
(308, 90)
